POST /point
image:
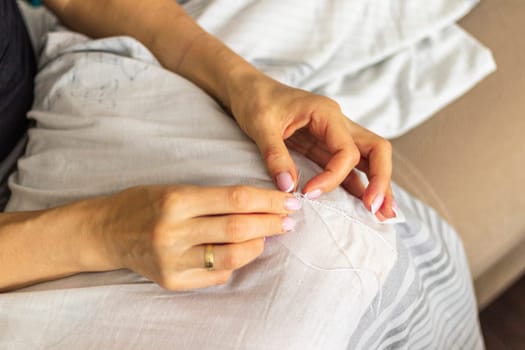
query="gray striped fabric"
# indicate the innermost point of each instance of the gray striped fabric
(427, 301)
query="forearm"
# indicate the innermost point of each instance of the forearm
(49, 244)
(163, 26)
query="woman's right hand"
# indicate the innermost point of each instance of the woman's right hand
(161, 232)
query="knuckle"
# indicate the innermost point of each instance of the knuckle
(325, 104)
(276, 203)
(270, 224)
(168, 281)
(330, 103)
(384, 145)
(234, 229)
(354, 155)
(239, 197)
(272, 153)
(169, 200)
(276, 225)
(231, 261)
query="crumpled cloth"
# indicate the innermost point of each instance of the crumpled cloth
(390, 65)
(109, 117)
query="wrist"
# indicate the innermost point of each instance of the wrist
(251, 94)
(44, 245)
(201, 58)
(243, 87)
(90, 246)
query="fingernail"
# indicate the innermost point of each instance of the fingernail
(313, 194)
(395, 209)
(288, 224)
(284, 182)
(377, 203)
(292, 204)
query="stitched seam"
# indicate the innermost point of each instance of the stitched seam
(341, 250)
(349, 218)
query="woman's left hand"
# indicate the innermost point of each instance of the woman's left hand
(275, 115)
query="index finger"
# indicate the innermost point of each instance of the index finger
(344, 156)
(201, 201)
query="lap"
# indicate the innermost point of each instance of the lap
(339, 275)
(333, 283)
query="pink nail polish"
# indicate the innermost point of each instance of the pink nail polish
(288, 224)
(313, 194)
(377, 203)
(292, 204)
(284, 182)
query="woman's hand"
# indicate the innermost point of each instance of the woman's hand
(275, 115)
(161, 232)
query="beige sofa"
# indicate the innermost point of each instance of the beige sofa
(468, 162)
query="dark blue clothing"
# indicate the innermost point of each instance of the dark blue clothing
(17, 71)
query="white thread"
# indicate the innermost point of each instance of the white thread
(345, 269)
(345, 215)
(342, 251)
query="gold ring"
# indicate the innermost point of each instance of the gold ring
(208, 257)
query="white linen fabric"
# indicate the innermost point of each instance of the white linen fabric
(284, 300)
(109, 117)
(389, 65)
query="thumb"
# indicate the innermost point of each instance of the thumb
(278, 161)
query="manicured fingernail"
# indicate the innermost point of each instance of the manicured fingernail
(292, 204)
(288, 224)
(284, 182)
(395, 208)
(377, 203)
(313, 194)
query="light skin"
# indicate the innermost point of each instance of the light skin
(157, 231)
(165, 239)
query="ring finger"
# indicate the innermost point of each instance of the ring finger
(225, 256)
